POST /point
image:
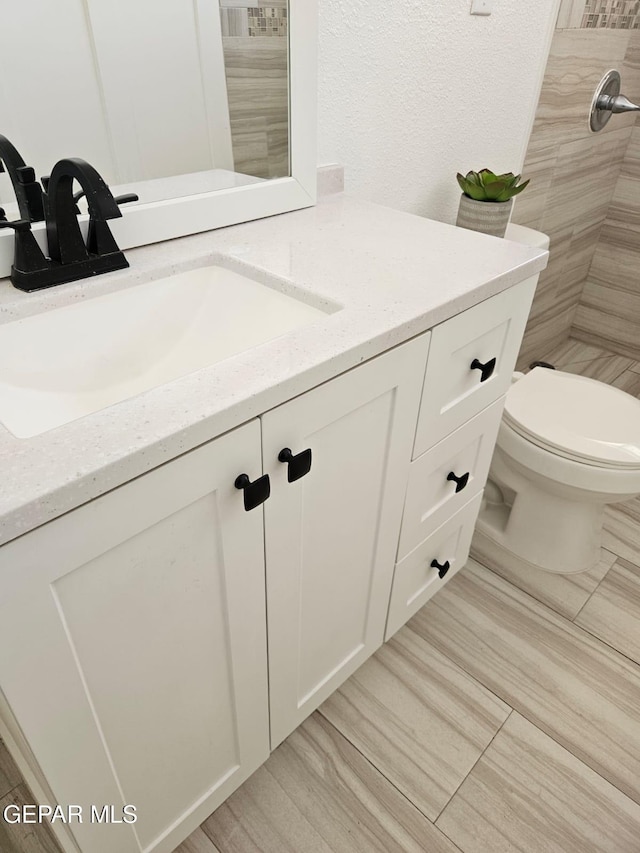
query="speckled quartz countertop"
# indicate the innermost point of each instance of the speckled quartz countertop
(396, 275)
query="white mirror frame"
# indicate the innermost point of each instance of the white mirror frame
(163, 220)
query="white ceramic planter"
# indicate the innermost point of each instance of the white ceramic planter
(490, 217)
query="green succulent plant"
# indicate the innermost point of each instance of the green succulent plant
(486, 186)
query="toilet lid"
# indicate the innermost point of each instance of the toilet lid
(576, 417)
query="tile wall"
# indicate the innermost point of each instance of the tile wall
(594, 14)
(255, 46)
(609, 311)
(253, 21)
(615, 14)
(579, 191)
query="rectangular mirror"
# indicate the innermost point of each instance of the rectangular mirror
(205, 109)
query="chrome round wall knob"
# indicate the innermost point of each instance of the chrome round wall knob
(607, 100)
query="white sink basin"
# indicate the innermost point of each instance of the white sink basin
(66, 363)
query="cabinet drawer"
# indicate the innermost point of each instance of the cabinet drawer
(431, 494)
(415, 580)
(455, 386)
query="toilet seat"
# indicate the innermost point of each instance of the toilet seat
(576, 418)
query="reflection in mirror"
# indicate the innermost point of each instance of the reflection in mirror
(166, 100)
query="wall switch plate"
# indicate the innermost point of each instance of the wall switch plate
(481, 7)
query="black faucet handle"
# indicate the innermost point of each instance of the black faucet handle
(29, 194)
(119, 199)
(100, 240)
(16, 224)
(23, 178)
(126, 198)
(3, 215)
(26, 174)
(28, 257)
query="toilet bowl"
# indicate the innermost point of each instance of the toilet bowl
(567, 447)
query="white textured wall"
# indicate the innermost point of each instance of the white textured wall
(413, 91)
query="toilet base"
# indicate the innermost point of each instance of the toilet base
(494, 556)
(546, 530)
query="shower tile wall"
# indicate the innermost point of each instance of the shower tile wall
(616, 14)
(255, 46)
(573, 172)
(590, 14)
(609, 310)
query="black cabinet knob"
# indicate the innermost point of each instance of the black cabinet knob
(299, 465)
(460, 482)
(255, 493)
(486, 369)
(442, 569)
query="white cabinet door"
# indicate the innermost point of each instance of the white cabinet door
(331, 536)
(133, 646)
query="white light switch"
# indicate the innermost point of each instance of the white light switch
(481, 7)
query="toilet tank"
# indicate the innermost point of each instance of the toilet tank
(526, 236)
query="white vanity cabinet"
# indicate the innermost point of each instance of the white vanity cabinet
(134, 630)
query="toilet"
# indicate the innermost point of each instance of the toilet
(567, 447)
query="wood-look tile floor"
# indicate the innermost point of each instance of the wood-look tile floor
(20, 838)
(504, 717)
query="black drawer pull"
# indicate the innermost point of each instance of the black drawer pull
(460, 482)
(487, 368)
(442, 569)
(298, 465)
(255, 493)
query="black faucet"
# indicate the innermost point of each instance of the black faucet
(69, 259)
(64, 237)
(28, 191)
